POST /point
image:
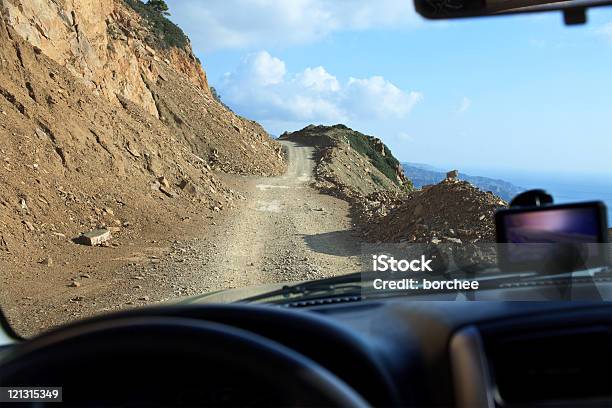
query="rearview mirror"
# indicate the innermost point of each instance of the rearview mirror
(574, 11)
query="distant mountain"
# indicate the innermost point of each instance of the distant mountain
(423, 166)
(423, 174)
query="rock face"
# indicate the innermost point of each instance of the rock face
(102, 42)
(114, 50)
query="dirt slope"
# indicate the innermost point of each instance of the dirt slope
(451, 211)
(67, 154)
(78, 153)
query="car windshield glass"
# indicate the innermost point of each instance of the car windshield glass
(185, 151)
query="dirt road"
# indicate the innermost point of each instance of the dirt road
(284, 231)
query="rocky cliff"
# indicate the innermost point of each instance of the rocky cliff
(106, 43)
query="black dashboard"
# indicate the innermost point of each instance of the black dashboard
(399, 352)
(468, 354)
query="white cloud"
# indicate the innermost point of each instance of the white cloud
(379, 96)
(464, 105)
(319, 80)
(222, 24)
(310, 96)
(262, 68)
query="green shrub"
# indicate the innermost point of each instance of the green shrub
(164, 33)
(377, 180)
(158, 5)
(365, 145)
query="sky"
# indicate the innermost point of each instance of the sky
(486, 96)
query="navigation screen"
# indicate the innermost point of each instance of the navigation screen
(554, 226)
(536, 235)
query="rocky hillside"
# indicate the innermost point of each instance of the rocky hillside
(106, 122)
(351, 164)
(384, 204)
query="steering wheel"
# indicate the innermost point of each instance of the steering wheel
(156, 361)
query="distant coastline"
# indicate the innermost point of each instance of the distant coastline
(564, 188)
(422, 174)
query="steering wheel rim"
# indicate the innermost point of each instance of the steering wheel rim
(53, 357)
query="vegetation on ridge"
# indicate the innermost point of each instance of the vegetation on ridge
(365, 145)
(165, 34)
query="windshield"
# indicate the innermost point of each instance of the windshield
(153, 151)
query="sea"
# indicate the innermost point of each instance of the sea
(563, 188)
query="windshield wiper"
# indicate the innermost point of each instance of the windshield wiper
(358, 284)
(344, 283)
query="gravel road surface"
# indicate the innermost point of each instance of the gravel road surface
(284, 231)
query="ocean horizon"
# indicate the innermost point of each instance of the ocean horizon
(563, 188)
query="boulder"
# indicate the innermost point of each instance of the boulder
(167, 191)
(452, 175)
(93, 238)
(164, 182)
(188, 187)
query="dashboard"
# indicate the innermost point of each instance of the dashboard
(487, 354)
(401, 352)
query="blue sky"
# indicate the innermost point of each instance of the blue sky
(488, 96)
